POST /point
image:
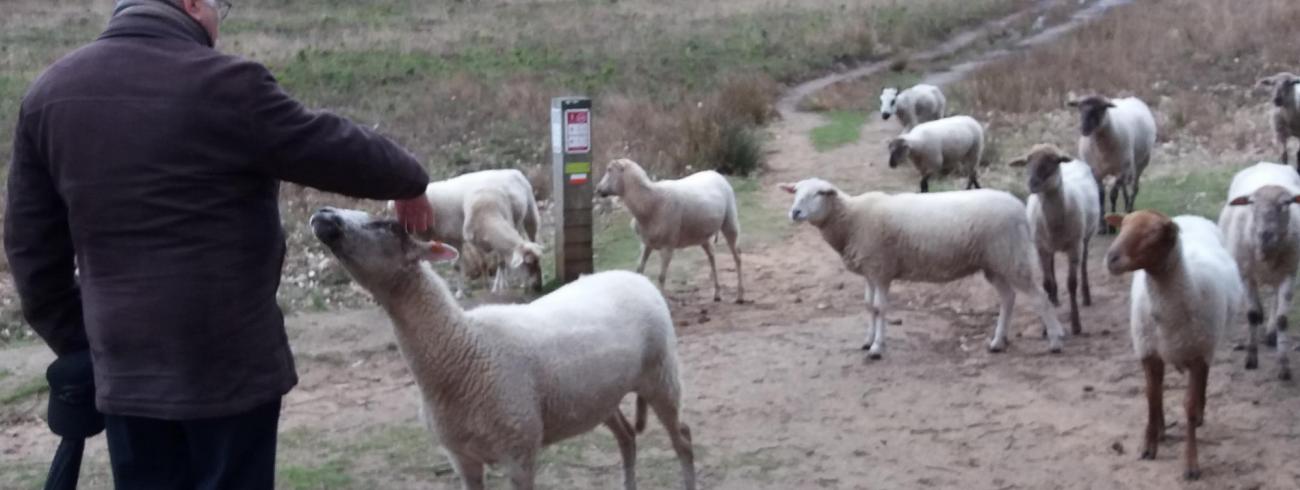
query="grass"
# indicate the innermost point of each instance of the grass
(1201, 192)
(841, 128)
(31, 388)
(331, 474)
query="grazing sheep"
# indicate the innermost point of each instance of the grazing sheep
(492, 227)
(934, 146)
(935, 238)
(1063, 217)
(672, 214)
(500, 382)
(449, 207)
(921, 103)
(1185, 290)
(1286, 110)
(1117, 139)
(1263, 235)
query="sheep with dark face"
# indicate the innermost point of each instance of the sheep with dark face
(1263, 235)
(1286, 110)
(1063, 217)
(1117, 138)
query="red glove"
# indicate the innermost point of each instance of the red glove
(415, 214)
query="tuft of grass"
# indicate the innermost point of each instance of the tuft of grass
(31, 388)
(841, 128)
(332, 474)
(1200, 192)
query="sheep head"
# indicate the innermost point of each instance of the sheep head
(611, 184)
(888, 97)
(374, 251)
(1092, 112)
(1283, 86)
(1270, 206)
(898, 150)
(1043, 165)
(1145, 240)
(814, 200)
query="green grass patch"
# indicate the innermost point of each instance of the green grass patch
(1199, 192)
(841, 128)
(33, 387)
(332, 474)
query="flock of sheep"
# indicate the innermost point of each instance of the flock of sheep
(500, 382)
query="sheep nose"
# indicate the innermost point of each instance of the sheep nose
(327, 225)
(796, 215)
(884, 115)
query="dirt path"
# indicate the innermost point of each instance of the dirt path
(781, 397)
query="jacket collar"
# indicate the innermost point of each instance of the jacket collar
(155, 19)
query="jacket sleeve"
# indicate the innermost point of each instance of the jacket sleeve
(39, 246)
(326, 151)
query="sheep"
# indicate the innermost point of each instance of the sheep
(933, 146)
(492, 227)
(500, 382)
(1263, 236)
(672, 214)
(448, 198)
(1286, 110)
(1185, 290)
(933, 238)
(921, 103)
(1063, 217)
(1117, 138)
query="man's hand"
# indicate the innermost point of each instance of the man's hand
(415, 214)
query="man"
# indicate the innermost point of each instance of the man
(154, 160)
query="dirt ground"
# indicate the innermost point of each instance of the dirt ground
(779, 395)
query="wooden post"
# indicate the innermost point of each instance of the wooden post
(572, 182)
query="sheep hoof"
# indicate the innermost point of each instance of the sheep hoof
(1192, 475)
(740, 301)
(996, 348)
(866, 346)
(1252, 363)
(717, 299)
(875, 356)
(1055, 349)
(1271, 339)
(1284, 375)
(1148, 455)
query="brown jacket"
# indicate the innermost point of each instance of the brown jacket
(156, 160)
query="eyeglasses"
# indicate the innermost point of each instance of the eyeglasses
(223, 8)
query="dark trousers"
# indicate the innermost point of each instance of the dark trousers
(235, 452)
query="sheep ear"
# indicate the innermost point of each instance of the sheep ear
(1063, 158)
(789, 188)
(1115, 219)
(438, 252)
(1240, 201)
(1266, 82)
(1019, 162)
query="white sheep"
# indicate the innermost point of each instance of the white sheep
(921, 103)
(500, 382)
(448, 199)
(1063, 217)
(936, 238)
(672, 214)
(936, 146)
(1117, 139)
(1185, 291)
(493, 228)
(1263, 235)
(1286, 110)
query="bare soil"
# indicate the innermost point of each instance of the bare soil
(780, 396)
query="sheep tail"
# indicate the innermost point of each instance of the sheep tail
(640, 414)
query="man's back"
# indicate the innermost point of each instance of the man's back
(165, 155)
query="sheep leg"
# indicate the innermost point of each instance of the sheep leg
(1195, 407)
(870, 297)
(1254, 317)
(1047, 262)
(470, 471)
(521, 470)
(1007, 294)
(880, 301)
(925, 183)
(1083, 273)
(735, 255)
(679, 434)
(1101, 203)
(713, 271)
(1072, 283)
(645, 256)
(1154, 368)
(626, 438)
(1280, 327)
(665, 258)
(1114, 195)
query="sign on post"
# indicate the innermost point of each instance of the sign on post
(571, 182)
